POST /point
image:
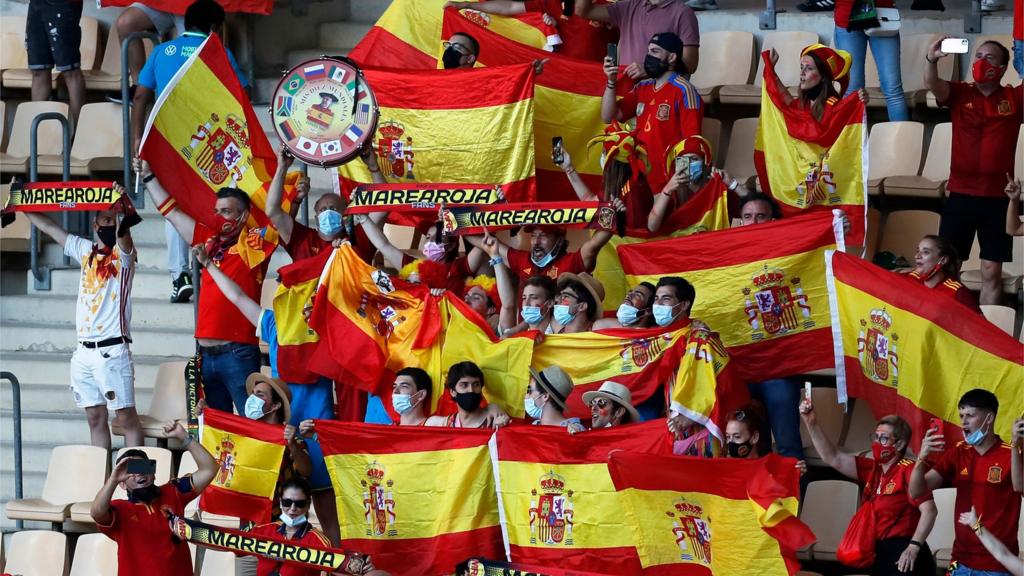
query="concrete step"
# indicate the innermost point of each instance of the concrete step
(57, 397)
(153, 284)
(49, 428)
(342, 35)
(299, 56)
(60, 309)
(35, 337)
(152, 255)
(51, 368)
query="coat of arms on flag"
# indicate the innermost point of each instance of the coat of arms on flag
(691, 531)
(216, 149)
(225, 462)
(876, 348)
(379, 501)
(551, 514)
(395, 153)
(772, 305)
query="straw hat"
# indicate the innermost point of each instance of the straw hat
(554, 382)
(618, 394)
(283, 392)
(593, 286)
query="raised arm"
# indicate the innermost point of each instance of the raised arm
(506, 291)
(587, 9)
(842, 462)
(656, 217)
(231, 290)
(300, 455)
(781, 88)
(923, 479)
(48, 227)
(182, 222)
(691, 57)
(206, 465)
(497, 7)
(932, 82)
(1017, 456)
(370, 159)
(1014, 227)
(478, 242)
(275, 195)
(375, 234)
(609, 107)
(100, 509)
(994, 546)
(583, 192)
(590, 248)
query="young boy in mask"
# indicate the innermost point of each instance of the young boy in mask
(460, 51)
(465, 383)
(102, 370)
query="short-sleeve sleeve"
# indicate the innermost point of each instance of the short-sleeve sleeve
(864, 468)
(112, 529)
(689, 30)
(573, 262)
(618, 12)
(267, 327)
(77, 247)
(627, 104)
(517, 260)
(945, 465)
(147, 77)
(956, 91)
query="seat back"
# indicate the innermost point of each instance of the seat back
(98, 134)
(75, 474)
(15, 236)
(729, 59)
(1002, 316)
(50, 141)
(90, 44)
(941, 535)
(1011, 77)
(1018, 167)
(112, 53)
(168, 401)
(873, 233)
(402, 237)
(913, 48)
(163, 465)
(94, 554)
(3, 125)
(885, 137)
(829, 413)
(711, 130)
(187, 465)
(739, 158)
(861, 424)
(936, 164)
(788, 44)
(904, 229)
(38, 553)
(267, 295)
(218, 563)
(12, 43)
(827, 509)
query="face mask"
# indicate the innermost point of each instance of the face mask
(532, 410)
(433, 251)
(882, 453)
(292, 522)
(931, 272)
(984, 72)
(469, 401)
(108, 235)
(147, 494)
(451, 58)
(654, 66)
(329, 222)
(254, 407)
(545, 259)
(562, 314)
(402, 403)
(228, 228)
(977, 437)
(532, 315)
(627, 314)
(663, 314)
(738, 449)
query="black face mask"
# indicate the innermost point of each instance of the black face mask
(738, 449)
(469, 401)
(812, 93)
(451, 58)
(108, 235)
(147, 494)
(654, 66)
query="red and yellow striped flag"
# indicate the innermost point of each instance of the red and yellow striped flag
(249, 456)
(762, 287)
(559, 506)
(203, 135)
(721, 516)
(296, 341)
(263, 7)
(418, 500)
(459, 126)
(912, 352)
(807, 164)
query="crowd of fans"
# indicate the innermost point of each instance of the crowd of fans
(548, 287)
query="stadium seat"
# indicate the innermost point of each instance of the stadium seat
(711, 130)
(859, 427)
(3, 125)
(62, 489)
(107, 77)
(14, 160)
(98, 144)
(932, 181)
(167, 403)
(1002, 316)
(913, 48)
(267, 295)
(940, 539)
(827, 509)
(402, 237)
(970, 274)
(830, 418)
(12, 44)
(80, 510)
(14, 237)
(885, 137)
(218, 563)
(873, 232)
(38, 553)
(788, 44)
(1018, 167)
(21, 77)
(903, 230)
(728, 60)
(739, 158)
(95, 554)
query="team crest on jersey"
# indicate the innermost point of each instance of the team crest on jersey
(216, 149)
(876, 348)
(775, 306)
(691, 531)
(225, 462)
(378, 501)
(889, 488)
(664, 111)
(818, 186)
(551, 512)
(1004, 108)
(394, 151)
(995, 474)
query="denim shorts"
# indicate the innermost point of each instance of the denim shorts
(53, 35)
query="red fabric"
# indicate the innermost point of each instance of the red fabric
(984, 137)
(954, 290)
(982, 481)
(1018, 20)
(144, 542)
(844, 7)
(521, 265)
(664, 116)
(581, 38)
(350, 403)
(264, 7)
(218, 318)
(458, 271)
(306, 242)
(311, 536)
(896, 513)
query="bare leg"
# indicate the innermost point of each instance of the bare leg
(134, 20)
(327, 513)
(75, 81)
(99, 431)
(42, 85)
(128, 418)
(991, 282)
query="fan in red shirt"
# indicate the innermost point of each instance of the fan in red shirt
(987, 475)
(437, 265)
(935, 266)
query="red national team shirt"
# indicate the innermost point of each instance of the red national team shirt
(458, 271)
(305, 242)
(896, 513)
(145, 544)
(982, 481)
(664, 116)
(581, 38)
(520, 264)
(218, 318)
(984, 137)
(304, 535)
(953, 289)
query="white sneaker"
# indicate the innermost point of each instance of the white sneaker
(991, 5)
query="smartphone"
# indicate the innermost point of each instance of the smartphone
(807, 390)
(935, 425)
(954, 45)
(613, 53)
(682, 164)
(139, 466)
(695, 169)
(556, 150)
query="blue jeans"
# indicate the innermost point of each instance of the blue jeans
(177, 251)
(224, 375)
(1018, 54)
(781, 399)
(962, 570)
(886, 50)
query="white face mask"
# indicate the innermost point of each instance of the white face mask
(254, 407)
(292, 522)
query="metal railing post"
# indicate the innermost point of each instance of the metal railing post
(126, 115)
(767, 18)
(19, 487)
(304, 208)
(972, 20)
(41, 278)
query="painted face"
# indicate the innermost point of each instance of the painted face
(755, 212)
(809, 74)
(297, 500)
(602, 412)
(639, 297)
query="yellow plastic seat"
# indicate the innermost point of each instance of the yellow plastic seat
(75, 474)
(12, 44)
(904, 229)
(940, 539)
(932, 181)
(166, 404)
(21, 77)
(98, 144)
(827, 509)
(95, 554)
(860, 425)
(884, 139)
(711, 130)
(788, 44)
(80, 510)
(727, 59)
(739, 158)
(15, 159)
(217, 563)
(38, 553)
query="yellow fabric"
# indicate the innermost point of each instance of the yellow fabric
(256, 464)
(694, 391)
(590, 357)
(556, 109)
(288, 306)
(419, 484)
(780, 510)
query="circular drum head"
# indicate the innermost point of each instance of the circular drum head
(324, 111)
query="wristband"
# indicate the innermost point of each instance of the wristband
(735, 184)
(916, 543)
(610, 85)
(976, 527)
(167, 206)
(148, 179)
(496, 261)
(930, 61)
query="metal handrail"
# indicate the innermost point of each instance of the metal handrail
(19, 486)
(767, 18)
(126, 116)
(40, 275)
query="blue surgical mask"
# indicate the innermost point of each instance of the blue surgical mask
(532, 314)
(627, 314)
(562, 314)
(532, 410)
(546, 259)
(977, 437)
(329, 222)
(292, 522)
(663, 314)
(254, 407)
(402, 403)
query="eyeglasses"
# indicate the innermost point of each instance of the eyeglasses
(566, 294)
(458, 47)
(288, 503)
(600, 403)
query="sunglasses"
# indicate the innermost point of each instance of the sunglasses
(600, 402)
(288, 503)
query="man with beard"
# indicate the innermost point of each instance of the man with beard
(145, 544)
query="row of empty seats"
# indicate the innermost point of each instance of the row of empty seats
(98, 144)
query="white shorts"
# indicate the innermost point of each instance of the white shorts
(162, 21)
(103, 376)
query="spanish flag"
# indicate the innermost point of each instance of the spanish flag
(762, 287)
(418, 500)
(460, 126)
(721, 516)
(369, 322)
(203, 134)
(559, 506)
(706, 386)
(807, 164)
(294, 298)
(263, 7)
(249, 456)
(910, 351)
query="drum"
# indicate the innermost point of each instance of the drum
(324, 111)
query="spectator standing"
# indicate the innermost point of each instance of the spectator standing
(141, 18)
(820, 67)
(639, 20)
(884, 49)
(53, 36)
(936, 266)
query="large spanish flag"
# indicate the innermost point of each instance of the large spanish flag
(296, 340)
(911, 351)
(762, 287)
(457, 126)
(706, 386)
(418, 500)
(807, 164)
(264, 7)
(558, 504)
(721, 516)
(203, 134)
(249, 455)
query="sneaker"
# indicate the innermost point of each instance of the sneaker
(115, 97)
(181, 289)
(702, 4)
(991, 5)
(817, 6)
